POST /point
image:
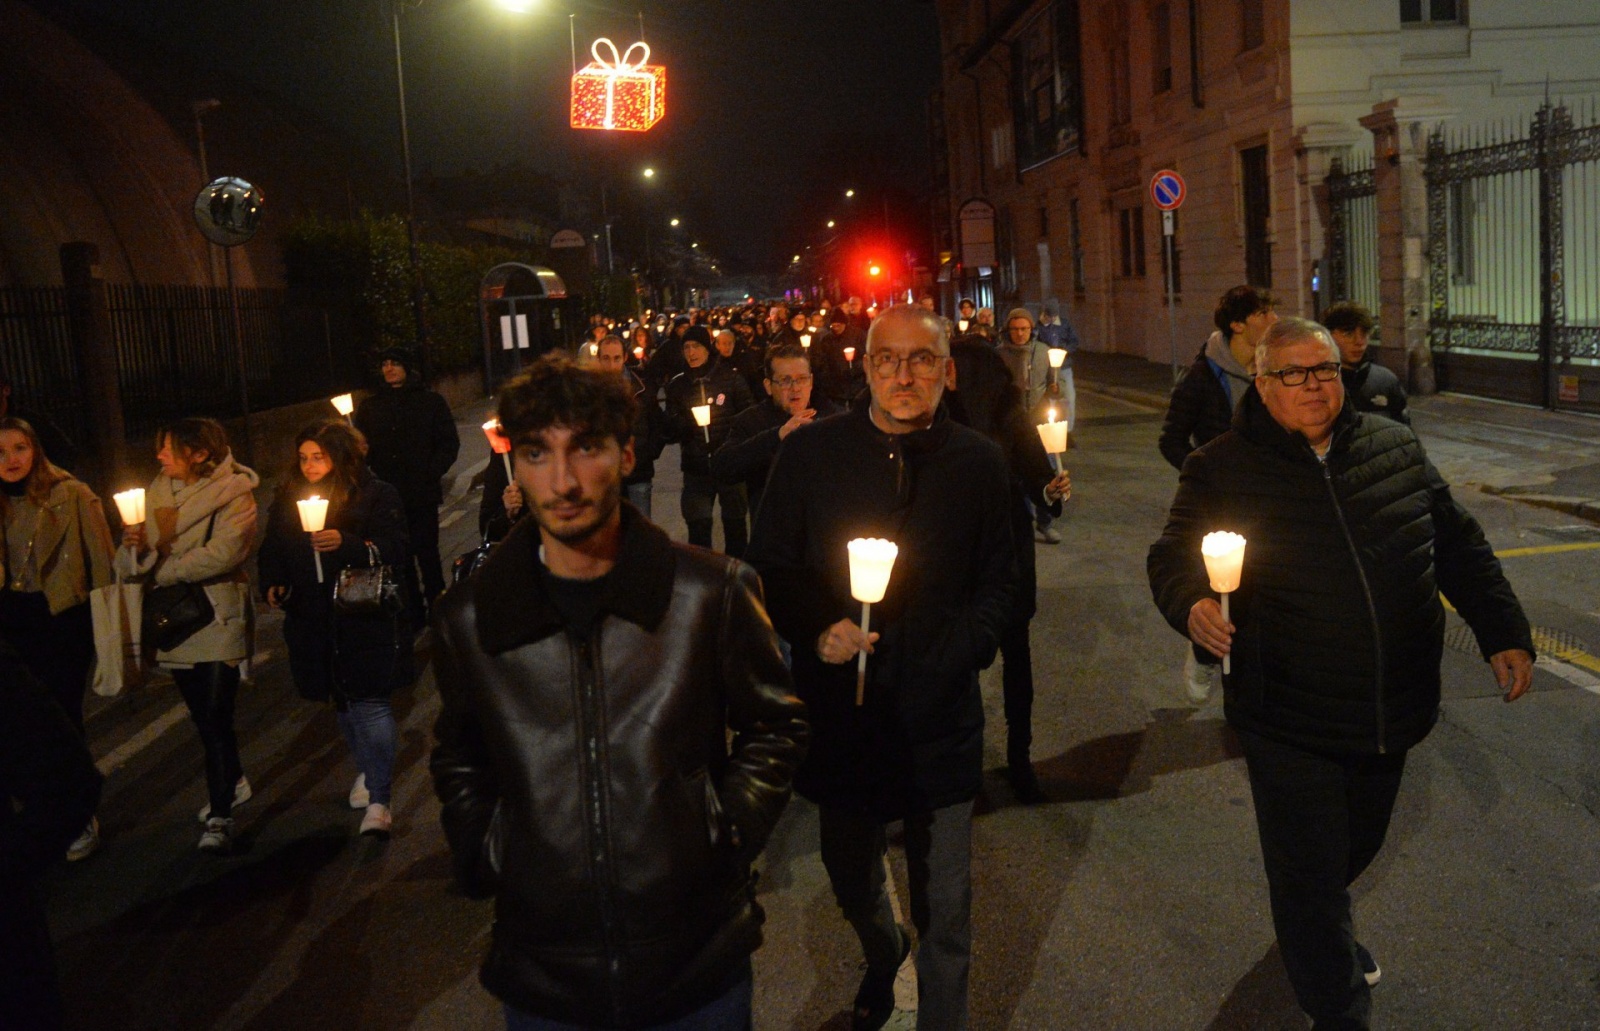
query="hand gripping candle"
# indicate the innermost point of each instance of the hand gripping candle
(1224, 555)
(871, 562)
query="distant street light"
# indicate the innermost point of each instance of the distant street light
(696, 245)
(849, 193)
(830, 223)
(649, 173)
(676, 222)
(517, 6)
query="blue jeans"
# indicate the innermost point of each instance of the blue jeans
(368, 728)
(731, 1012)
(639, 494)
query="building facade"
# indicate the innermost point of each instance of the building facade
(1054, 115)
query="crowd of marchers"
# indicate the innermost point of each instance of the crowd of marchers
(624, 716)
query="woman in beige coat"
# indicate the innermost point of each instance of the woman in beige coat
(57, 549)
(200, 526)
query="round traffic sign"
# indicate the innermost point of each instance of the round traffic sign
(1167, 189)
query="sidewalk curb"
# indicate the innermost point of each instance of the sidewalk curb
(1133, 395)
(1583, 508)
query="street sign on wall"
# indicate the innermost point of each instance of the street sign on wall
(1167, 189)
(977, 234)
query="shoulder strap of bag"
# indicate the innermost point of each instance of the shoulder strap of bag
(372, 555)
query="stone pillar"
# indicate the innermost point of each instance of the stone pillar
(95, 351)
(1399, 148)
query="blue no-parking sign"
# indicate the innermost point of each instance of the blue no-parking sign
(1167, 189)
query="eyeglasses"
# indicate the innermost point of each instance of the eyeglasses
(1295, 375)
(923, 363)
(786, 382)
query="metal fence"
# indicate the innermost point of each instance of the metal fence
(1353, 232)
(1514, 261)
(175, 352)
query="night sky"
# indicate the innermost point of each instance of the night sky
(774, 106)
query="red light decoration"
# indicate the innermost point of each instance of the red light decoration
(619, 93)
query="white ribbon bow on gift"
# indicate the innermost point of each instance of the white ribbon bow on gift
(619, 65)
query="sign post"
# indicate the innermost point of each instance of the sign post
(1167, 190)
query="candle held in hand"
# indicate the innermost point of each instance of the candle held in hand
(313, 517)
(871, 562)
(130, 505)
(1057, 356)
(1053, 435)
(1224, 555)
(344, 404)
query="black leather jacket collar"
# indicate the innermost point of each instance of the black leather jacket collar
(513, 608)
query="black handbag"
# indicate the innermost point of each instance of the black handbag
(176, 612)
(469, 562)
(373, 591)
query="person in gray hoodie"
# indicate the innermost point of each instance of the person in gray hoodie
(1203, 402)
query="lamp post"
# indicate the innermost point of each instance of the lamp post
(417, 304)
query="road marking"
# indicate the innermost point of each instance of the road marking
(1547, 549)
(115, 758)
(451, 518)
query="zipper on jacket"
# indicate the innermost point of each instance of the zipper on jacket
(1372, 608)
(594, 800)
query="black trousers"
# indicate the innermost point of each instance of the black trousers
(1321, 818)
(209, 690)
(30, 997)
(700, 490)
(422, 524)
(57, 649)
(1016, 682)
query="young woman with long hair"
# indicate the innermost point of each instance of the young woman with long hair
(57, 549)
(200, 526)
(356, 661)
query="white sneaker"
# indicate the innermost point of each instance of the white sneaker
(218, 836)
(241, 795)
(87, 842)
(360, 797)
(1197, 678)
(377, 822)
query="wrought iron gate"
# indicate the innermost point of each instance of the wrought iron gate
(1353, 233)
(1514, 262)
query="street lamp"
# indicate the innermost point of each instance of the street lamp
(417, 292)
(675, 223)
(849, 193)
(649, 173)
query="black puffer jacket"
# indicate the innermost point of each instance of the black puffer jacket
(1340, 624)
(943, 495)
(1198, 412)
(588, 783)
(724, 390)
(1373, 388)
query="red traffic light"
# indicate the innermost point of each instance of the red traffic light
(874, 270)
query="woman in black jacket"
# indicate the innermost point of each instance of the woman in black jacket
(987, 399)
(356, 660)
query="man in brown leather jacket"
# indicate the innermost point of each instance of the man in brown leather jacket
(590, 674)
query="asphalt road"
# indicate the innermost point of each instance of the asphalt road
(1133, 899)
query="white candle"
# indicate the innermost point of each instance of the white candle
(871, 562)
(962, 325)
(805, 339)
(638, 352)
(850, 356)
(313, 517)
(1054, 437)
(344, 404)
(130, 503)
(1057, 356)
(1224, 557)
(702, 418)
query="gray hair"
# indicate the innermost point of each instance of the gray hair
(903, 313)
(719, 334)
(1288, 330)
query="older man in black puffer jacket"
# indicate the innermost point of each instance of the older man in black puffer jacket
(1336, 633)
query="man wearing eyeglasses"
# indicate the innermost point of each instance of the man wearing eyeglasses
(756, 433)
(1335, 637)
(896, 467)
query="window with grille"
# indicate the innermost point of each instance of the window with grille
(1048, 85)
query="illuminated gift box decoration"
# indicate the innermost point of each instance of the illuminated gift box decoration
(620, 93)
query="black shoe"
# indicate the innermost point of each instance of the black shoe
(1369, 966)
(874, 1003)
(1025, 783)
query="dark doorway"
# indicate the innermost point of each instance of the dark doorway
(1257, 216)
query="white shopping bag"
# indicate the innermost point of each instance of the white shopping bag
(116, 610)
